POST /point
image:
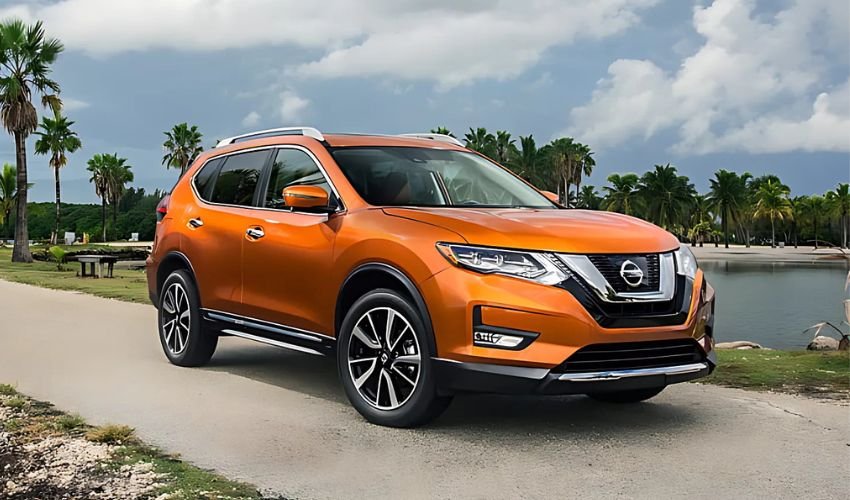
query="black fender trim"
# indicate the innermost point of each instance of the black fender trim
(174, 254)
(410, 287)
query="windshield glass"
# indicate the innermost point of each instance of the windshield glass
(403, 176)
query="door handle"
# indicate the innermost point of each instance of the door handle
(255, 232)
(196, 222)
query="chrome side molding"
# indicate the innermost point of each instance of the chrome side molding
(276, 343)
(639, 372)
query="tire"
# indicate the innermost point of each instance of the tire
(622, 397)
(181, 334)
(390, 382)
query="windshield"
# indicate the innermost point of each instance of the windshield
(403, 176)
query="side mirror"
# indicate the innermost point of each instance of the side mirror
(551, 196)
(305, 197)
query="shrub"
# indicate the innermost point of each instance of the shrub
(111, 434)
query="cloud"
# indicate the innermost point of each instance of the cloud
(71, 104)
(748, 87)
(451, 43)
(252, 119)
(292, 106)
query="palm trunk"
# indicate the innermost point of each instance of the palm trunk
(21, 250)
(815, 220)
(772, 233)
(55, 238)
(103, 218)
(725, 224)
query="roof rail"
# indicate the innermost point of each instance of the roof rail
(272, 132)
(436, 137)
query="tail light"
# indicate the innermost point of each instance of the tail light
(162, 207)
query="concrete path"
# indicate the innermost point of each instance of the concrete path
(280, 420)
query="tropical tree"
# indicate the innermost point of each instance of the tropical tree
(119, 174)
(443, 131)
(798, 211)
(525, 162)
(482, 141)
(667, 196)
(26, 56)
(57, 139)
(182, 146)
(622, 195)
(584, 157)
(8, 196)
(839, 199)
(815, 207)
(588, 198)
(98, 167)
(772, 203)
(562, 158)
(505, 147)
(728, 198)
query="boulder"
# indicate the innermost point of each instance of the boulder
(821, 343)
(738, 344)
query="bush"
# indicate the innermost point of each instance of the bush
(111, 434)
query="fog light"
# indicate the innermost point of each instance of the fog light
(490, 339)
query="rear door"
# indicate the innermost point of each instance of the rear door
(228, 197)
(287, 254)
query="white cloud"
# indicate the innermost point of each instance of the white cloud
(71, 104)
(750, 87)
(292, 106)
(252, 119)
(452, 43)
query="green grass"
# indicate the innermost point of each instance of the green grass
(127, 285)
(16, 402)
(821, 374)
(180, 479)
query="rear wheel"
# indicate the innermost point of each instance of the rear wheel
(181, 333)
(633, 396)
(384, 362)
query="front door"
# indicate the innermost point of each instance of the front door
(287, 255)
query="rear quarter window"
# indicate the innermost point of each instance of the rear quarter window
(204, 177)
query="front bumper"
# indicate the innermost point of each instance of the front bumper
(456, 376)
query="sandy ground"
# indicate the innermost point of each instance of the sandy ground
(280, 420)
(803, 254)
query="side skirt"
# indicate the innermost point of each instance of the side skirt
(269, 333)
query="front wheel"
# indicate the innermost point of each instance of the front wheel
(384, 362)
(633, 396)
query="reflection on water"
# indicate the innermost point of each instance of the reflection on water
(772, 303)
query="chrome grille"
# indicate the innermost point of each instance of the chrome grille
(609, 267)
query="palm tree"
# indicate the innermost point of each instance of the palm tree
(118, 175)
(443, 131)
(182, 146)
(8, 196)
(700, 218)
(772, 203)
(588, 198)
(815, 207)
(667, 196)
(622, 196)
(585, 164)
(482, 141)
(57, 139)
(525, 162)
(798, 205)
(504, 147)
(728, 198)
(562, 157)
(25, 59)
(839, 198)
(98, 166)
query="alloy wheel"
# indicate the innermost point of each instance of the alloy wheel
(176, 319)
(383, 358)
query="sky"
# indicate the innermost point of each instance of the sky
(746, 85)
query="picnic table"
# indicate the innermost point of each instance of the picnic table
(100, 260)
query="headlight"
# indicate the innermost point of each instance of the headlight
(686, 263)
(536, 267)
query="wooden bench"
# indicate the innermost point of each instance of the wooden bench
(100, 260)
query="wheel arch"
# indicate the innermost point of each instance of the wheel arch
(373, 275)
(174, 261)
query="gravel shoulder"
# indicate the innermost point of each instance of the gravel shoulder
(279, 420)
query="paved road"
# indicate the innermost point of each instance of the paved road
(280, 421)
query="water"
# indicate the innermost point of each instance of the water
(772, 303)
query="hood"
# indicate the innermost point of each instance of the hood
(565, 231)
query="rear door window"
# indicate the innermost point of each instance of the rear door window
(237, 179)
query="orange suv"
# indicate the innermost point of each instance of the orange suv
(426, 269)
